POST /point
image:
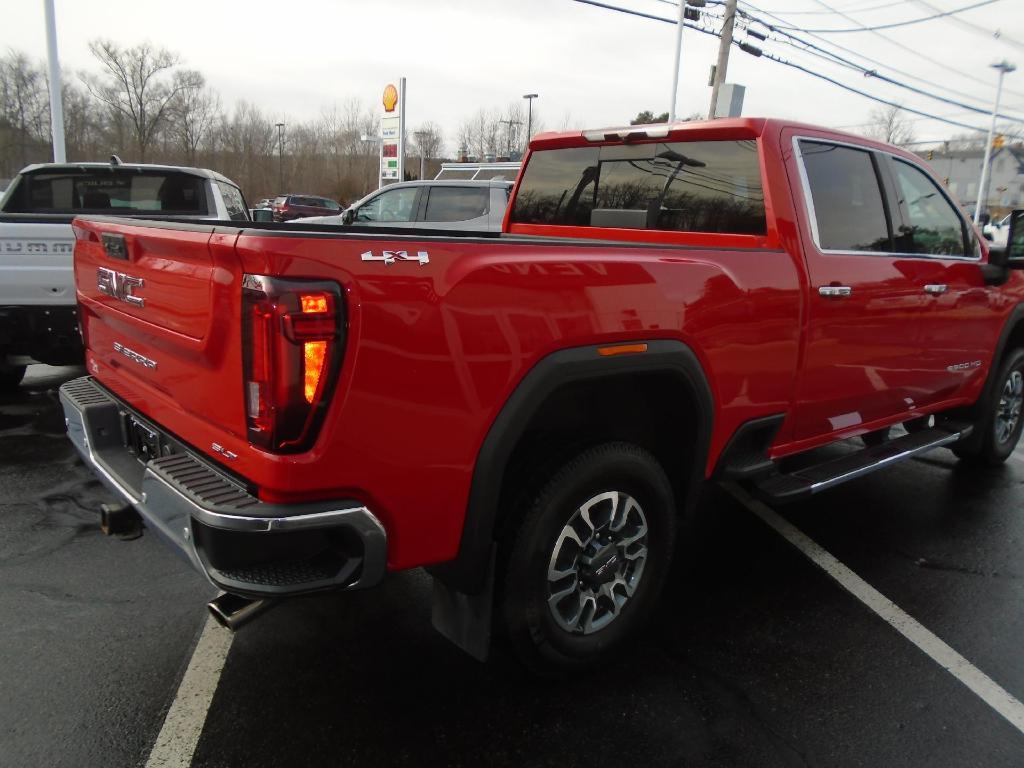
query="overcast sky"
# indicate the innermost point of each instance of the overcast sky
(592, 67)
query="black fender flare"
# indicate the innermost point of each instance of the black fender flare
(468, 571)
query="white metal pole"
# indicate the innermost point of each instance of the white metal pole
(1003, 67)
(401, 129)
(678, 56)
(56, 102)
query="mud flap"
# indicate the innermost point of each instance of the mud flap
(466, 619)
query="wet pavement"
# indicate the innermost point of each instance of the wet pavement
(756, 657)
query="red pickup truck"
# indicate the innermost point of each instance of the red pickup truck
(530, 414)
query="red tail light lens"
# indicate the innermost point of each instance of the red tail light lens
(293, 339)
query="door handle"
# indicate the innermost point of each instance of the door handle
(835, 291)
(936, 288)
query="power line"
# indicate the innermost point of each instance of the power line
(912, 51)
(787, 63)
(832, 13)
(835, 58)
(977, 28)
(895, 24)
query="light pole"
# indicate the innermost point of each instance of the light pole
(56, 102)
(280, 158)
(423, 158)
(529, 114)
(1004, 68)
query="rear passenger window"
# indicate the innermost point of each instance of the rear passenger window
(456, 203)
(847, 199)
(695, 186)
(234, 202)
(934, 227)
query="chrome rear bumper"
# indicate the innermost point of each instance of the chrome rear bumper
(241, 544)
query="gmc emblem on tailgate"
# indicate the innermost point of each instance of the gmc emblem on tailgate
(120, 286)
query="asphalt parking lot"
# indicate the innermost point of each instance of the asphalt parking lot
(757, 657)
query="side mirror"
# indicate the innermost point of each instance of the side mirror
(1013, 256)
(348, 216)
(262, 214)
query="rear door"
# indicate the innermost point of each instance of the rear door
(862, 355)
(457, 207)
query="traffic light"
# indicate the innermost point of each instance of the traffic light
(998, 141)
(931, 154)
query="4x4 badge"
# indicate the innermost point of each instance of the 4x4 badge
(390, 257)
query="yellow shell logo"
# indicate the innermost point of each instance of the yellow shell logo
(390, 98)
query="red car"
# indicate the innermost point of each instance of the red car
(531, 414)
(288, 207)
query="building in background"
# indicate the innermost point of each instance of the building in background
(961, 169)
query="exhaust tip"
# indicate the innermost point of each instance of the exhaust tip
(234, 611)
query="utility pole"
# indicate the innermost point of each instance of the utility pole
(56, 100)
(1004, 68)
(529, 115)
(280, 159)
(723, 54)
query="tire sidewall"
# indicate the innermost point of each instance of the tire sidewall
(995, 450)
(613, 467)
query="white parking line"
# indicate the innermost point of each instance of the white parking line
(179, 735)
(981, 684)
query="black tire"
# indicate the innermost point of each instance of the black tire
(625, 470)
(997, 441)
(879, 436)
(917, 425)
(11, 376)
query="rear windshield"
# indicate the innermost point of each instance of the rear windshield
(697, 186)
(120, 190)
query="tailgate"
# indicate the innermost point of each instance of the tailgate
(160, 305)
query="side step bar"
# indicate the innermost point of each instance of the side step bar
(784, 488)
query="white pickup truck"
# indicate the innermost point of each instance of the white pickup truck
(38, 319)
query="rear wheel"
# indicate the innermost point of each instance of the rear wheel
(11, 376)
(1002, 422)
(583, 569)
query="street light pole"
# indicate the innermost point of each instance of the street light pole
(1004, 68)
(280, 158)
(423, 158)
(56, 100)
(678, 56)
(529, 114)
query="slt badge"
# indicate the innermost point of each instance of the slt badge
(390, 257)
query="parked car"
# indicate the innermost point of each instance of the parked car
(266, 202)
(532, 414)
(996, 232)
(288, 207)
(38, 321)
(461, 205)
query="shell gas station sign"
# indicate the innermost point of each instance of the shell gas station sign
(392, 134)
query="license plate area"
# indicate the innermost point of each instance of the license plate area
(142, 440)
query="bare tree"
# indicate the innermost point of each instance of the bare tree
(139, 86)
(888, 124)
(192, 113)
(428, 140)
(24, 111)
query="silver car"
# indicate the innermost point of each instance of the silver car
(463, 205)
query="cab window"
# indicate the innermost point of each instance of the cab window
(391, 205)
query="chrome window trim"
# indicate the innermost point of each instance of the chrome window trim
(813, 217)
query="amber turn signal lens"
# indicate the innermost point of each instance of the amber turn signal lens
(621, 349)
(314, 354)
(316, 302)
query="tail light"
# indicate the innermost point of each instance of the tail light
(293, 339)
